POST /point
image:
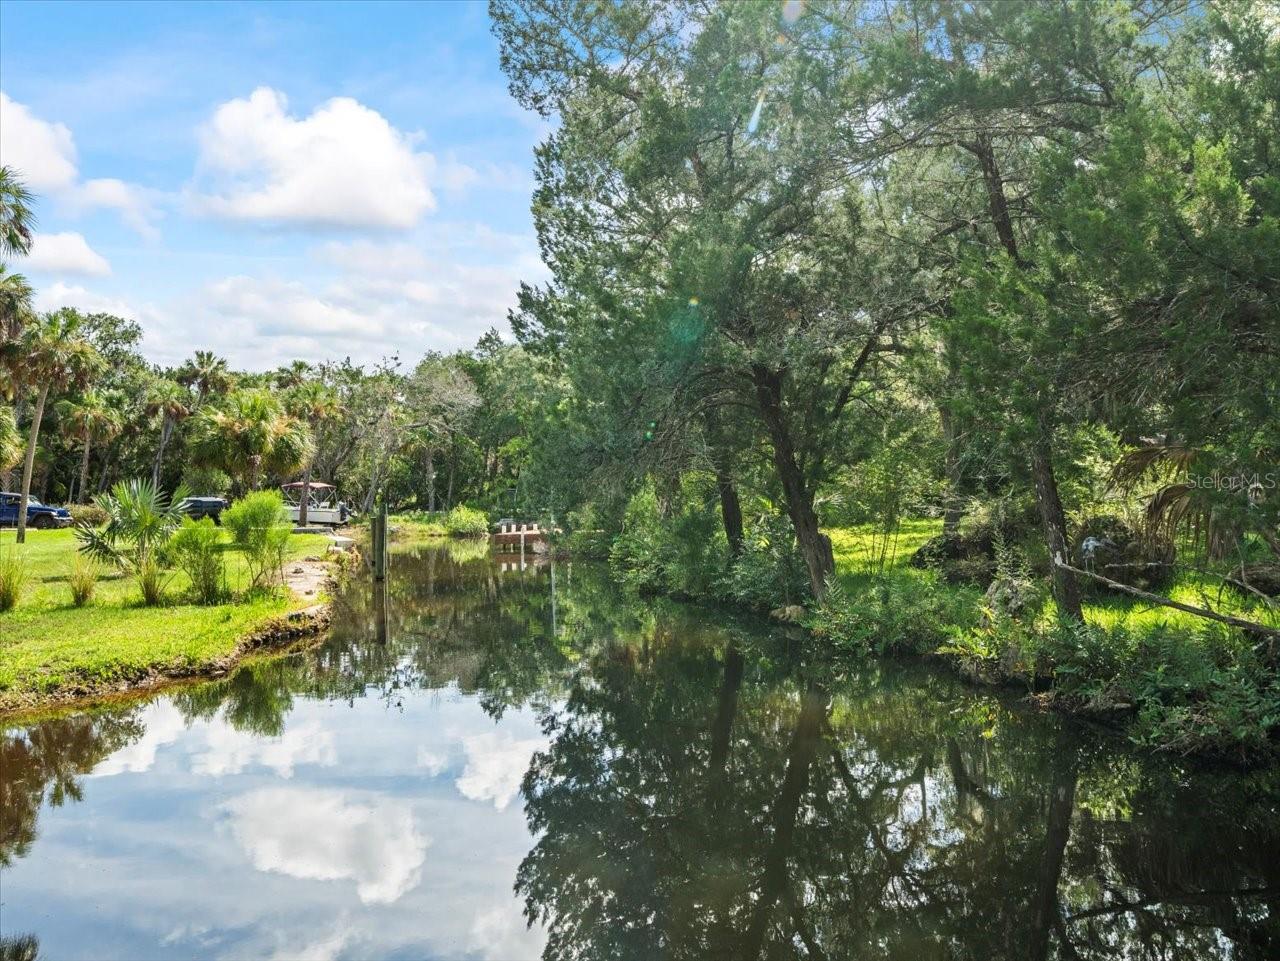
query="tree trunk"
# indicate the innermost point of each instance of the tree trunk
(83, 497)
(722, 723)
(730, 513)
(730, 506)
(1066, 591)
(431, 481)
(29, 463)
(1044, 907)
(794, 786)
(953, 510)
(814, 545)
(102, 475)
(306, 496)
(453, 470)
(166, 428)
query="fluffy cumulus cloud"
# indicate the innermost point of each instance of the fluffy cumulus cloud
(163, 724)
(132, 203)
(65, 253)
(496, 764)
(43, 153)
(228, 751)
(499, 933)
(362, 299)
(343, 165)
(60, 294)
(331, 835)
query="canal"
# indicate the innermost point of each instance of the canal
(533, 764)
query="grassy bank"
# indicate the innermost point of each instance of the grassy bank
(1173, 680)
(415, 525)
(49, 647)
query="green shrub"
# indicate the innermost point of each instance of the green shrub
(206, 481)
(151, 580)
(83, 580)
(677, 550)
(13, 577)
(464, 521)
(770, 571)
(913, 613)
(1189, 690)
(92, 514)
(141, 519)
(641, 552)
(260, 528)
(196, 548)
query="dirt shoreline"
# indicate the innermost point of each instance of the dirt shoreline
(283, 633)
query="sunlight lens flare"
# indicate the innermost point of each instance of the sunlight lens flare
(791, 10)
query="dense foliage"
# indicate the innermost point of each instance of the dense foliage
(1008, 266)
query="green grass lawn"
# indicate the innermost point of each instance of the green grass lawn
(47, 644)
(859, 550)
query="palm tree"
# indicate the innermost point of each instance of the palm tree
(16, 217)
(89, 419)
(314, 403)
(16, 221)
(168, 399)
(287, 378)
(54, 355)
(140, 522)
(10, 444)
(206, 373)
(15, 309)
(249, 433)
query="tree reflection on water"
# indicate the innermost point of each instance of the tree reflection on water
(706, 792)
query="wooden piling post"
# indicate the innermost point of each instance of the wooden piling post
(379, 531)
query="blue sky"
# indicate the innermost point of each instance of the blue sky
(271, 180)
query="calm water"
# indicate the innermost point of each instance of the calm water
(641, 781)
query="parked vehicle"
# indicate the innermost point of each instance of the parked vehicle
(39, 516)
(322, 507)
(198, 507)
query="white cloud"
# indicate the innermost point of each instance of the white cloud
(327, 835)
(344, 165)
(501, 932)
(496, 764)
(59, 294)
(163, 724)
(433, 762)
(43, 153)
(229, 751)
(65, 253)
(132, 203)
(325, 948)
(277, 308)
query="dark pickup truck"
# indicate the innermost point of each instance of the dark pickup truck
(39, 516)
(198, 507)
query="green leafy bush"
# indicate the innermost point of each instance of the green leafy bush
(83, 580)
(260, 528)
(908, 614)
(681, 549)
(206, 481)
(1188, 690)
(641, 553)
(141, 519)
(13, 577)
(196, 548)
(770, 571)
(92, 514)
(464, 521)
